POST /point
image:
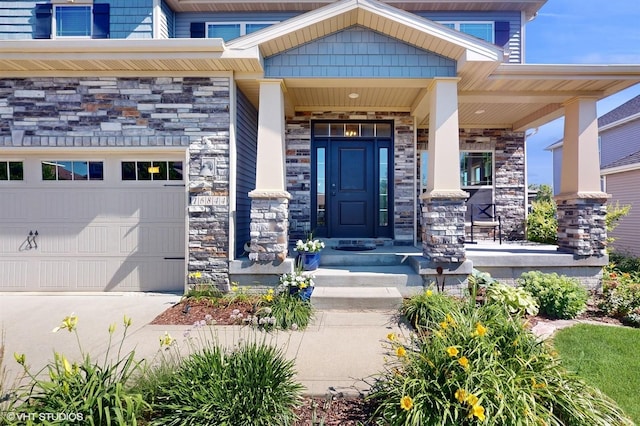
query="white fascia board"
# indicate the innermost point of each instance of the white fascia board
(477, 50)
(183, 45)
(620, 169)
(570, 72)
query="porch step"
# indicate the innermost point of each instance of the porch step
(399, 276)
(356, 298)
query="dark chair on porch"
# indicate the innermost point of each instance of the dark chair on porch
(484, 216)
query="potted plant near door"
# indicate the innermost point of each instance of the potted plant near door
(309, 252)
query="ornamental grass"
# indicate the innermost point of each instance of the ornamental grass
(480, 365)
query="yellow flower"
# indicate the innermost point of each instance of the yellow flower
(69, 323)
(429, 293)
(268, 297)
(472, 399)
(449, 319)
(400, 351)
(444, 325)
(480, 330)
(234, 288)
(452, 351)
(270, 291)
(127, 321)
(20, 358)
(439, 334)
(461, 395)
(478, 411)
(112, 328)
(391, 336)
(166, 340)
(406, 403)
(463, 361)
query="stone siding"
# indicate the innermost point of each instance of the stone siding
(121, 113)
(443, 230)
(298, 170)
(581, 226)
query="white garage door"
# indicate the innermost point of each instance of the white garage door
(106, 234)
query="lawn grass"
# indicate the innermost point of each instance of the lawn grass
(606, 357)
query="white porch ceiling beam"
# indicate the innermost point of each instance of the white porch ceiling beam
(540, 117)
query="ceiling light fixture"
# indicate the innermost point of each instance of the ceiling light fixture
(354, 95)
(480, 111)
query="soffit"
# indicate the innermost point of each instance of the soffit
(21, 58)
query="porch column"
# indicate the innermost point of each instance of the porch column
(443, 204)
(270, 200)
(581, 202)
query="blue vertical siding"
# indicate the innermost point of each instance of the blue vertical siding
(168, 20)
(246, 144)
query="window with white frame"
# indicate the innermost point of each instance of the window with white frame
(482, 30)
(476, 168)
(11, 170)
(230, 30)
(72, 21)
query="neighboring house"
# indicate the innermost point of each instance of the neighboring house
(141, 140)
(619, 149)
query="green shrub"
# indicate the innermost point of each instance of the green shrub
(482, 366)
(624, 263)
(621, 295)
(517, 300)
(542, 225)
(94, 393)
(427, 308)
(558, 296)
(250, 385)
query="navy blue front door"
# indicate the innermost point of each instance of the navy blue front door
(351, 189)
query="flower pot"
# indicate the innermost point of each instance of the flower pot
(310, 261)
(305, 294)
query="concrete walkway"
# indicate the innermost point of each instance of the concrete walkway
(340, 352)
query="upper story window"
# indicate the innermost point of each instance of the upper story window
(71, 20)
(230, 30)
(482, 30)
(72, 170)
(476, 169)
(226, 30)
(11, 170)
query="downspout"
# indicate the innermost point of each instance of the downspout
(416, 177)
(233, 163)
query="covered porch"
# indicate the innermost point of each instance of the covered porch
(463, 87)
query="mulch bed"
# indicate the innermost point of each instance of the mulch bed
(187, 312)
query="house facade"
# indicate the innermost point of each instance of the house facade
(619, 142)
(144, 140)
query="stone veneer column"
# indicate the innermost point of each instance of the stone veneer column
(270, 200)
(581, 202)
(443, 204)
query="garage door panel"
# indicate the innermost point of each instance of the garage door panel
(58, 240)
(14, 273)
(92, 274)
(93, 240)
(56, 274)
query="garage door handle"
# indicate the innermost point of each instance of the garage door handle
(174, 258)
(174, 184)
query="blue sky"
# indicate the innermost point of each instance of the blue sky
(579, 32)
